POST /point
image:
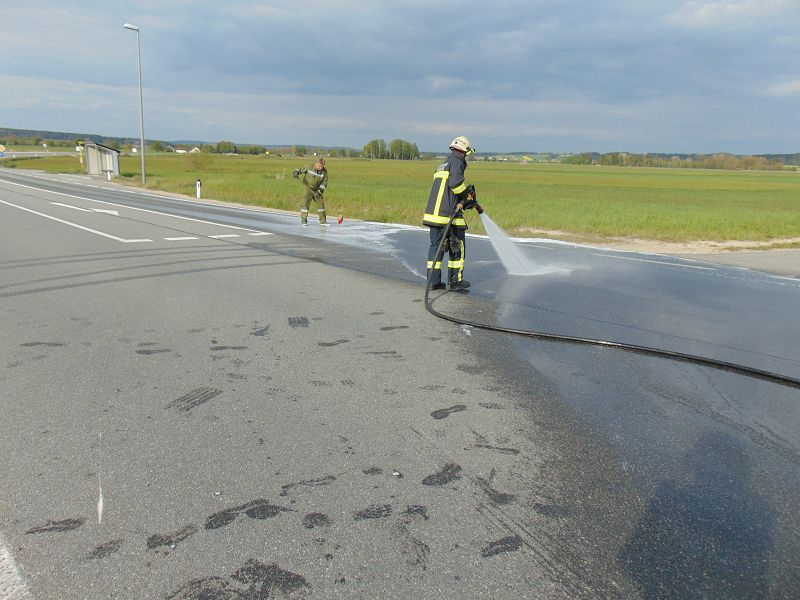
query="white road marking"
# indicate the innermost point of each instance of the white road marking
(658, 262)
(147, 210)
(224, 235)
(260, 233)
(12, 587)
(70, 206)
(180, 239)
(71, 224)
(94, 210)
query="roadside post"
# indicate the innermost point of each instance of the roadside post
(198, 187)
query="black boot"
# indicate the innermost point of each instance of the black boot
(459, 286)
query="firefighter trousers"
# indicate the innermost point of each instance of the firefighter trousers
(454, 248)
(310, 196)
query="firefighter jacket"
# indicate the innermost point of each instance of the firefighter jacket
(449, 187)
(316, 180)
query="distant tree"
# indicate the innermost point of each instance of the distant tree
(225, 147)
(157, 146)
(375, 149)
(584, 158)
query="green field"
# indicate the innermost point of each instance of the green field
(583, 202)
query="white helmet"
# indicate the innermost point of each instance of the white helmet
(462, 144)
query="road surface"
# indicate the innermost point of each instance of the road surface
(206, 401)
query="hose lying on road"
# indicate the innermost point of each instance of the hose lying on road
(679, 356)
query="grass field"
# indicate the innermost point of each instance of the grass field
(586, 202)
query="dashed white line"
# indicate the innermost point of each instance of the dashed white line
(260, 233)
(224, 235)
(71, 224)
(147, 210)
(180, 239)
(70, 206)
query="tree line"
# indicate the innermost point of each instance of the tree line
(397, 149)
(702, 161)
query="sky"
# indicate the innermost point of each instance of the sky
(675, 76)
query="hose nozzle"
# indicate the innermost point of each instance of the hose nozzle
(478, 208)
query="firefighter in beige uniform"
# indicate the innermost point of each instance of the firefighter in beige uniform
(315, 180)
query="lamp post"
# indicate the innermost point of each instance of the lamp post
(141, 101)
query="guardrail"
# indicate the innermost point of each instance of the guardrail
(15, 154)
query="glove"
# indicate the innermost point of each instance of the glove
(471, 201)
(296, 173)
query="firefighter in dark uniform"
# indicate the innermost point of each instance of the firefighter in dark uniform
(315, 180)
(449, 196)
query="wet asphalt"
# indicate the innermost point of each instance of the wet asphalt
(279, 414)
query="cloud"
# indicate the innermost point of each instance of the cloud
(787, 88)
(724, 13)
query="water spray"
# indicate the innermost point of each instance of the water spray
(517, 262)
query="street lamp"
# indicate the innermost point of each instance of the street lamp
(141, 101)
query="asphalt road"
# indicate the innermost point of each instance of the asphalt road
(240, 406)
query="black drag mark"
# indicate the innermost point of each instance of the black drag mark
(239, 376)
(295, 322)
(57, 526)
(471, 369)
(329, 344)
(320, 383)
(194, 399)
(491, 405)
(348, 382)
(382, 353)
(263, 579)
(218, 348)
(377, 312)
(416, 509)
(374, 511)
(328, 479)
(256, 509)
(554, 511)
(499, 449)
(494, 496)
(432, 387)
(170, 539)
(47, 344)
(254, 580)
(443, 413)
(205, 588)
(373, 471)
(312, 520)
(154, 351)
(449, 473)
(146, 344)
(107, 549)
(390, 328)
(458, 391)
(222, 518)
(511, 543)
(262, 509)
(262, 332)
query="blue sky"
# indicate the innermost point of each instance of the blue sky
(560, 76)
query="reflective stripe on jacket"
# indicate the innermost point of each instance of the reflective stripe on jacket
(316, 180)
(448, 186)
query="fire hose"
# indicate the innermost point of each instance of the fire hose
(645, 350)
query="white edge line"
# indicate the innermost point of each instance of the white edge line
(180, 239)
(224, 235)
(71, 224)
(658, 262)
